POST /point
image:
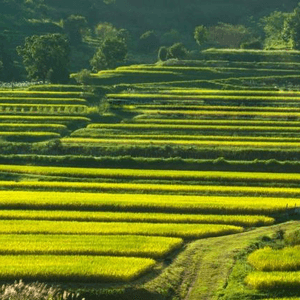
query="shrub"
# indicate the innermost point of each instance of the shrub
(163, 53)
(178, 51)
(149, 41)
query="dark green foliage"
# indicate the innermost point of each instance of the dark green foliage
(291, 28)
(178, 51)
(74, 26)
(7, 68)
(111, 53)
(200, 34)
(149, 42)
(46, 57)
(163, 53)
(256, 44)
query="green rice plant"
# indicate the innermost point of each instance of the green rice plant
(55, 101)
(145, 203)
(44, 119)
(204, 143)
(30, 127)
(187, 107)
(28, 136)
(193, 91)
(42, 109)
(220, 122)
(97, 216)
(143, 188)
(187, 231)
(109, 245)
(30, 93)
(73, 268)
(141, 96)
(273, 280)
(220, 176)
(264, 114)
(156, 136)
(268, 259)
(282, 299)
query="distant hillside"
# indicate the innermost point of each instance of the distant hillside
(21, 18)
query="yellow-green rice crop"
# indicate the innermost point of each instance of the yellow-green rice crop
(23, 100)
(110, 245)
(30, 126)
(25, 134)
(141, 188)
(268, 259)
(230, 92)
(92, 133)
(273, 280)
(201, 97)
(191, 142)
(219, 113)
(46, 119)
(61, 215)
(282, 299)
(151, 126)
(27, 93)
(220, 176)
(145, 203)
(72, 268)
(211, 107)
(189, 231)
(221, 122)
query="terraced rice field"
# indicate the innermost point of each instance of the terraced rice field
(41, 109)
(109, 224)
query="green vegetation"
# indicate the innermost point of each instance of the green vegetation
(109, 245)
(79, 268)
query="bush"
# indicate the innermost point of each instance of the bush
(149, 41)
(252, 45)
(163, 53)
(178, 51)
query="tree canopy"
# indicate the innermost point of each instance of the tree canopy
(46, 57)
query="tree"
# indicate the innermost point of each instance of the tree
(201, 34)
(105, 31)
(163, 53)
(273, 27)
(46, 57)
(110, 54)
(291, 28)
(178, 51)
(8, 71)
(74, 26)
(149, 41)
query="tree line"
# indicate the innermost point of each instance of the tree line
(47, 57)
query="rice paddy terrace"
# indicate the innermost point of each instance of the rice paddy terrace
(190, 164)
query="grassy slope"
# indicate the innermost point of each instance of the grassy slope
(201, 272)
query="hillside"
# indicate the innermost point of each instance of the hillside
(173, 21)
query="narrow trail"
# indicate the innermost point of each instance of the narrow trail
(215, 258)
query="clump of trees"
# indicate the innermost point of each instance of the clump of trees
(177, 51)
(110, 54)
(46, 57)
(75, 26)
